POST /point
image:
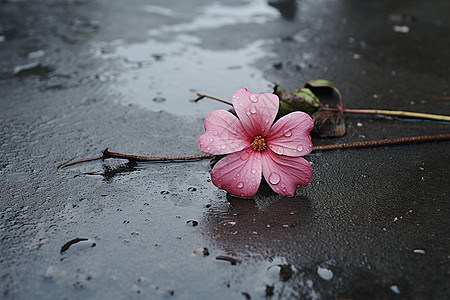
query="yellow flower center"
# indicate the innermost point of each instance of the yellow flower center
(259, 143)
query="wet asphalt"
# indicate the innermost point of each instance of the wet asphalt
(79, 76)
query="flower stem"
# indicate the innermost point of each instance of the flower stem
(397, 113)
(365, 144)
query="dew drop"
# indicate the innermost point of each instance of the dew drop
(267, 120)
(238, 174)
(253, 98)
(223, 146)
(300, 147)
(253, 110)
(240, 185)
(248, 113)
(254, 171)
(325, 273)
(394, 288)
(215, 132)
(288, 133)
(211, 140)
(274, 178)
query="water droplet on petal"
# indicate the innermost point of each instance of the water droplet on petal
(253, 110)
(211, 140)
(254, 171)
(248, 113)
(300, 147)
(267, 120)
(215, 132)
(238, 174)
(223, 146)
(288, 133)
(240, 185)
(253, 98)
(274, 178)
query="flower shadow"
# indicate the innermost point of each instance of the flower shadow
(263, 226)
(109, 172)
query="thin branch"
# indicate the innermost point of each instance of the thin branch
(397, 113)
(201, 96)
(107, 154)
(387, 142)
(365, 144)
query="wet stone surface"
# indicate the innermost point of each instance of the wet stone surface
(79, 76)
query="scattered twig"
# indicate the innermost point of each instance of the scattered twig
(233, 261)
(365, 144)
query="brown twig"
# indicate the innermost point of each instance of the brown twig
(107, 154)
(387, 142)
(365, 144)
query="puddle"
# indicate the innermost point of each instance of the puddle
(167, 76)
(218, 15)
(166, 72)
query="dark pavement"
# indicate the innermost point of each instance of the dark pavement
(78, 76)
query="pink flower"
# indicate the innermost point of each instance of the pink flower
(256, 146)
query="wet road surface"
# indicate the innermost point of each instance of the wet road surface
(79, 76)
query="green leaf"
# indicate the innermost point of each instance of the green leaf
(302, 100)
(309, 97)
(321, 83)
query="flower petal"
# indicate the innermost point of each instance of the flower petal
(223, 134)
(290, 135)
(238, 173)
(256, 111)
(285, 173)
